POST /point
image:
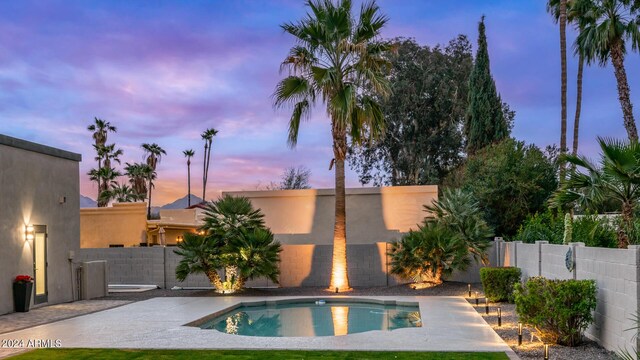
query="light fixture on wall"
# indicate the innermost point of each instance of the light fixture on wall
(180, 238)
(29, 232)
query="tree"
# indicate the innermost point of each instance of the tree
(428, 254)
(295, 178)
(154, 153)
(485, 120)
(461, 212)
(424, 115)
(207, 136)
(235, 239)
(107, 176)
(188, 154)
(100, 129)
(606, 26)
(140, 175)
(120, 193)
(617, 177)
(510, 180)
(337, 60)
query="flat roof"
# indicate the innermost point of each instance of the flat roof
(39, 148)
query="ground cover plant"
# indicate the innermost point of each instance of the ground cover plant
(116, 354)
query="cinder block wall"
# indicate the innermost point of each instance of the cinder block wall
(616, 272)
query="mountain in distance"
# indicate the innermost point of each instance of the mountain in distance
(182, 203)
(87, 202)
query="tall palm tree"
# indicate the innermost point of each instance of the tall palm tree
(207, 136)
(188, 154)
(139, 175)
(574, 17)
(100, 129)
(559, 11)
(617, 178)
(153, 153)
(607, 25)
(337, 60)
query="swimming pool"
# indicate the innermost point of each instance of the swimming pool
(312, 317)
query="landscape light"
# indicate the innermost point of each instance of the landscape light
(499, 316)
(29, 232)
(469, 286)
(546, 351)
(477, 298)
(337, 290)
(519, 333)
(486, 305)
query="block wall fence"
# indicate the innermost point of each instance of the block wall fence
(616, 272)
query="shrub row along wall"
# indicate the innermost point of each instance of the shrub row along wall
(616, 272)
(301, 265)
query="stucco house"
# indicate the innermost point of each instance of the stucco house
(39, 220)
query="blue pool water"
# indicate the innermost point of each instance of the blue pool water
(313, 319)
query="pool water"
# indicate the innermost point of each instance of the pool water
(314, 319)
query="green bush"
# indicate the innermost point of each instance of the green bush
(560, 310)
(498, 282)
(589, 229)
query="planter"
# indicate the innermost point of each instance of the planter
(22, 296)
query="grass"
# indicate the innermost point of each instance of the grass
(54, 354)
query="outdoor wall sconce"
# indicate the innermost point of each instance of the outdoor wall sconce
(486, 305)
(469, 286)
(519, 333)
(546, 351)
(499, 316)
(477, 299)
(29, 232)
(180, 238)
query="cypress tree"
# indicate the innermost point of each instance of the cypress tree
(485, 122)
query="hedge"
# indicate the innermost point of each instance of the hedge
(498, 282)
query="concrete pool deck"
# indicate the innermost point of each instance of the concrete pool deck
(449, 324)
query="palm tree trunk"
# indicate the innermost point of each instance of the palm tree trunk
(339, 276)
(189, 183)
(617, 58)
(576, 121)
(204, 173)
(625, 227)
(149, 204)
(563, 82)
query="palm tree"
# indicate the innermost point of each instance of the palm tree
(107, 176)
(428, 254)
(153, 153)
(207, 136)
(617, 178)
(119, 193)
(558, 8)
(340, 62)
(107, 153)
(188, 154)
(100, 129)
(461, 212)
(139, 175)
(607, 24)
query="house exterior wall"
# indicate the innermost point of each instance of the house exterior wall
(123, 224)
(33, 180)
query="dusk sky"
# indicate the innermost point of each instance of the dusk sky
(163, 71)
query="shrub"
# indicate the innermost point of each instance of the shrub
(560, 310)
(498, 282)
(429, 254)
(589, 229)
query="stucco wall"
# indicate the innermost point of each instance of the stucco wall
(123, 224)
(32, 184)
(373, 214)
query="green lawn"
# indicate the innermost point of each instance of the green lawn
(53, 354)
